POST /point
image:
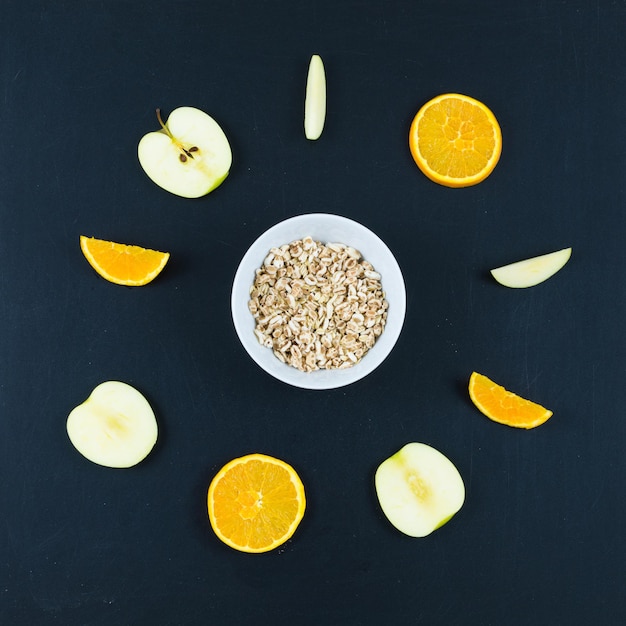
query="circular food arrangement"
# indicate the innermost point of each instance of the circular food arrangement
(318, 302)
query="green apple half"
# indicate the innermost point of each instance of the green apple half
(114, 427)
(189, 156)
(531, 272)
(419, 489)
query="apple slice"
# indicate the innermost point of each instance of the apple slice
(531, 272)
(114, 427)
(419, 489)
(315, 100)
(190, 156)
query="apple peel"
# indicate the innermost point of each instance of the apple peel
(315, 100)
(531, 272)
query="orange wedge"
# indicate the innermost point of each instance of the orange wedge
(123, 264)
(455, 140)
(256, 503)
(505, 407)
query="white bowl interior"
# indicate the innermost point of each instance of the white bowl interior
(326, 228)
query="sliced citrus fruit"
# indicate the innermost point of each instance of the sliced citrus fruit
(256, 503)
(455, 140)
(123, 264)
(505, 407)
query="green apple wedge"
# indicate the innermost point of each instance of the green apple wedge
(189, 156)
(315, 99)
(531, 272)
(114, 427)
(419, 489)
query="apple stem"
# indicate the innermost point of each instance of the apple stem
(184, 152)
(163, 126)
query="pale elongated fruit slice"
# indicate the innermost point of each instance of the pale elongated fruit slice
(115, 426)
(189, 156)
(531, 272)
(315, 100)
(419, 489)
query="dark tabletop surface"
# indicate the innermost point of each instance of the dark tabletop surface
(541, 538)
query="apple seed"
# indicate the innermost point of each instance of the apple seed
(184, 152)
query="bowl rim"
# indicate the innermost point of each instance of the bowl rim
(244, 321)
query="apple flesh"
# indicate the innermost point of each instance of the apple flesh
(114, 427)
(531, 272)
(315, 99)
(419, 489)
(189, 156)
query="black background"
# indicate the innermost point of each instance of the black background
(540, 539)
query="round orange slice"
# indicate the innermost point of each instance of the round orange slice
(505, 407)
(455, 140)
(121, 263)
(256, 503)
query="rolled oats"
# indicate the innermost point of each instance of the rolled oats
(317, 306)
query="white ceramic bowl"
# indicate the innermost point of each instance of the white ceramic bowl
(327, 229)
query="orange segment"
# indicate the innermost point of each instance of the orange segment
(455, 140)
(123, 264)
(505, 407)
(256, 503)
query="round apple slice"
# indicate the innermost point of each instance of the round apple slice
(419, 489)
(531, 272)
(114, 427)
(189, 156)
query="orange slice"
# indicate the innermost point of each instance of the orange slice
(455, 140)
(123, 264)
(505, 407)
(256, 503)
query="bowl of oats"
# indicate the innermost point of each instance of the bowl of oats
(318, 301)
